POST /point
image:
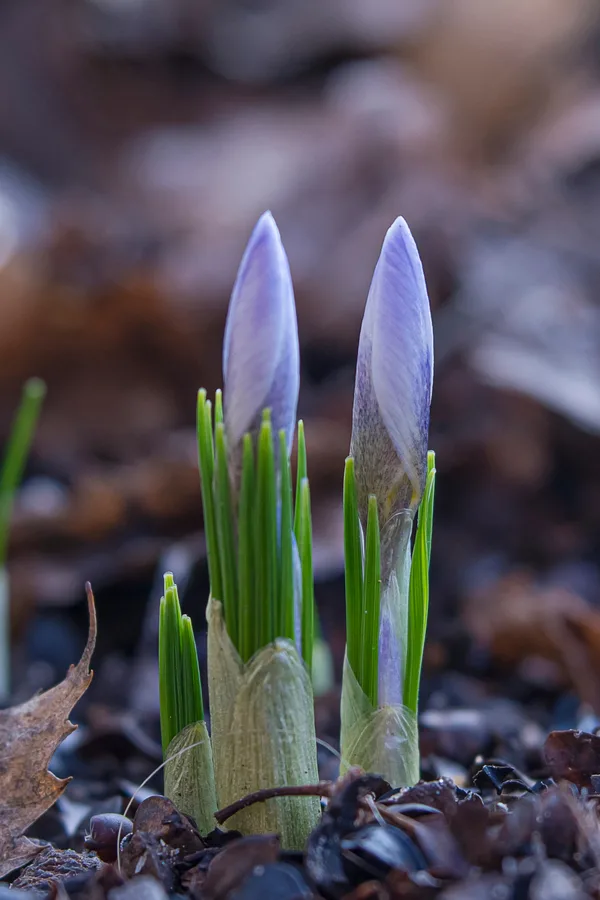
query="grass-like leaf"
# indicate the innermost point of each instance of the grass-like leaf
(193, 707)
(225, 532)
(303, 534)
(16, 453)
(419, 591)
(248, 635)
(301, 473)
(286, 601)
(353, 565)
(266, 534)
(180, 691)
(206, 465)
(304, 540)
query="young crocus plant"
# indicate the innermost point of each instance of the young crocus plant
(189, 775)
(389, 476)
(261, 610)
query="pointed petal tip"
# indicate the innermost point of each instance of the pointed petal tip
(260, 349)
(266, 230)
(399, 237)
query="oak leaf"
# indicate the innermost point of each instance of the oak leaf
(29, 736)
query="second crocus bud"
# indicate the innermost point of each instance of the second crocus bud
(261, 368)
(394, 377)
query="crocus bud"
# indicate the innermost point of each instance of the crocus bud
(261, 367)
(394, 376)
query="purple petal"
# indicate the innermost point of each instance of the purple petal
(260, 354)
(394, 380)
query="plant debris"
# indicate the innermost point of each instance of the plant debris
(29, 735)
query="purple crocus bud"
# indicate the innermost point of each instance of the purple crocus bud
(394, 377)
(261, 367)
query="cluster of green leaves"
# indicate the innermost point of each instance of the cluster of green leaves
(363, 588)
(180, 688)
(259, 542)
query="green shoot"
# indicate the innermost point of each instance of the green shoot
(225, 531)
(303, 533)
(16, 454)
(301, 474)
(304, 539)
(266, 534)
(250, 534)
(248, 636)
(193, 707)
(17, 451)
(353, 571)
(419, 591)
(286, 625)
(218, 407)
(180, 689)
(206, 464)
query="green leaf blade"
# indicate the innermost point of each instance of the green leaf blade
(266, 536)
(304, 539)
(353, 569)
(286, 624)
(206, 467)
(17, 451)
(419, 590)
(226, 533)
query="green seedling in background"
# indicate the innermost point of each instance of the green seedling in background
(189, 774)
(13, 466)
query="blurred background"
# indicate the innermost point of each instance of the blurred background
(139, 142)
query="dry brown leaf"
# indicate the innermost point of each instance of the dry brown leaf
(29, 735)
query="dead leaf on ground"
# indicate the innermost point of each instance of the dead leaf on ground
(518, 619)
(573, 756)
(29, 736)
